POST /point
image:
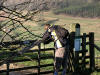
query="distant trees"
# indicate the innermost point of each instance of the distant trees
(96, 0)
(82, 8)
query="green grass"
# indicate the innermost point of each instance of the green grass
(95, 73)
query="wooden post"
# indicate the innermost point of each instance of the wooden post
(75, 27)
(77, 45)
(71, 44)
(39, 47)
(92, 53)
(54, 60)
(7, 63)
(84, 52)
(71, 48)
(76, 62)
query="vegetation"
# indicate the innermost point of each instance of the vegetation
(81, 9)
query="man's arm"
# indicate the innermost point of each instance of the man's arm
(47, 38)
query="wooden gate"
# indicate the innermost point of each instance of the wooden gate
(83, 59)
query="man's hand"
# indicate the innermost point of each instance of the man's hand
(28, 47)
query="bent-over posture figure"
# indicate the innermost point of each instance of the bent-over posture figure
(60, 37)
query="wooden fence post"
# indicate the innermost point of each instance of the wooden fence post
(77, 45)
(71, 48)
(39, 48)
(83, 51)
(54, 60)
(8, 64)
(75, 33)
(92, 54)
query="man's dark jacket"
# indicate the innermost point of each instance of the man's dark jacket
(61, 33)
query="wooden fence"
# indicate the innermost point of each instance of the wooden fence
(78, 61)
(38, 59)
(97, 57)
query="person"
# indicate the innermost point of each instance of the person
(59, 36)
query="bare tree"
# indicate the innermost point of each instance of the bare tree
(12, 12)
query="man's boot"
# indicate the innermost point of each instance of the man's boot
(64, 72)
(55, 73)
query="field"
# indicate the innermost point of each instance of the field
(87, 25)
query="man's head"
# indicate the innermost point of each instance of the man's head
(46, 26)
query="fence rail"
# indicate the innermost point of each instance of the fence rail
(37, 58)
(97, 47)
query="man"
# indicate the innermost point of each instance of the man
(60, 37)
